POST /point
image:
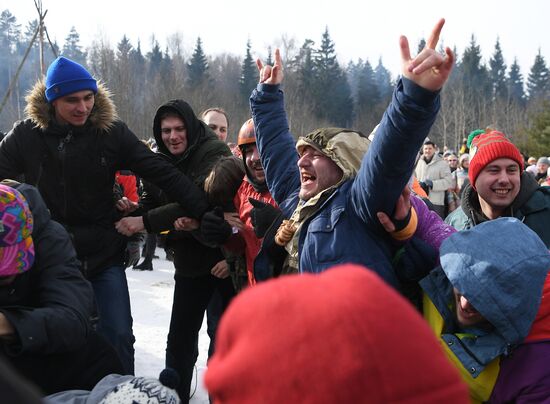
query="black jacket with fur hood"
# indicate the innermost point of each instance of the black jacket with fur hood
(74, 169)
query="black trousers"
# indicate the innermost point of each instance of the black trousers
(191, 297)
(75, 370)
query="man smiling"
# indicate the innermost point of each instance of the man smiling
(334, 184)
(499, 187)
(71, 147)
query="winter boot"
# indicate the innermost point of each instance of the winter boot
(144, 266)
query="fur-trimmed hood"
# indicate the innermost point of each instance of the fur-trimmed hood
(41, 112)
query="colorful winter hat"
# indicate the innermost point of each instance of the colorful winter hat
(66, 77)
(16, 223)
(489, 146)
(337, 337)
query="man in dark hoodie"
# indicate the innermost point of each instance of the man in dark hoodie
(499, 187)
(189, 145)
(70, 148)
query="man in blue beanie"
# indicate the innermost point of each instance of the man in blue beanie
(70, 147)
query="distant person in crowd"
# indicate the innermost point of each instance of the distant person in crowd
(46, 305)
(482, 302)
(217, 120)
(461, 173)
(71, 147)
(532, 161)
(434, 175)
(335, 206)
(499, 187)
(322, 339)
(464, 149)
(192, 148)
(543, 164)
(452, 160)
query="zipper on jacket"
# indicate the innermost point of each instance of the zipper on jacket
(62, 181)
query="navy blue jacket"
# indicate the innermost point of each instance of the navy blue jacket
(345, 228)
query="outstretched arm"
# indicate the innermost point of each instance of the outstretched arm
(273, 138)
(389, 162)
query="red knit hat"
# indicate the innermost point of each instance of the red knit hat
(340, 337)
(488, 147)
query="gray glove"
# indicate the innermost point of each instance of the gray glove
(133, 251)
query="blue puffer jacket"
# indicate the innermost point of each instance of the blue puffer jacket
(345, 227)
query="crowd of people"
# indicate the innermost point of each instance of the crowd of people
(341, 267)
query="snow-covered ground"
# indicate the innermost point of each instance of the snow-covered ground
(151, 298)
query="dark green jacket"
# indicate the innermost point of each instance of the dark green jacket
(191, 257)
(531, 206)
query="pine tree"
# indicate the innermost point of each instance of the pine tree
(383, 82)
(197, 68)
(10, 31)
(497, 72)
(539, 132)
(515, 83)
(72, 48)
(155, 59)
(269, 60)
(249, 73)
(421, 46)
(538, 81)
(124, 48)
(475, 73)
(368, 94)
(331, 88)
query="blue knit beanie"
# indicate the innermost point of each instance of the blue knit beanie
(65, 77)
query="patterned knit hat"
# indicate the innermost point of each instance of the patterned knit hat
(143, 391)
(16, 246)
(330, 338)
(66, 77)
(487, 147)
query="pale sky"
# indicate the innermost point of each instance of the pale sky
(359, 28)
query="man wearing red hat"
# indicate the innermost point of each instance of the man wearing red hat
(499, 187)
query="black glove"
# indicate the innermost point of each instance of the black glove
(415, 260)
(426, 185)
(262, 215)
(214, 228)
(133, 252)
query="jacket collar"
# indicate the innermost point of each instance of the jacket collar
(41, 112)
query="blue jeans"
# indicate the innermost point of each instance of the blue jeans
(115, 317)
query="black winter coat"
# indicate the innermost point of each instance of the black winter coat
(74, 169)
(49, 305)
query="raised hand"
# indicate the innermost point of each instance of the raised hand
(429, 69)
(271, 74)
(402, 208)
